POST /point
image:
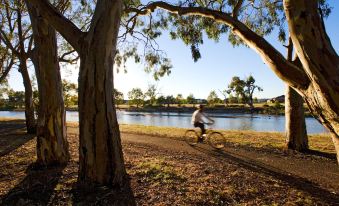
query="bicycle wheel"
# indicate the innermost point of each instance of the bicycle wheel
(216, 140)
(191, 137)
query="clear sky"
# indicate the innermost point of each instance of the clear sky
(219, 63)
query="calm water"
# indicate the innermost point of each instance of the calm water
(225, 121)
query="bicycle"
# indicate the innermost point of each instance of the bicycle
(213, 138)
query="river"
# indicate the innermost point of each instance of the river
(226, 121)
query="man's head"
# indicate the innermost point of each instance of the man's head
(200, 107)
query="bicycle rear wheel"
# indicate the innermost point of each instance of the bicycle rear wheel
(216, 140)
(191, 137)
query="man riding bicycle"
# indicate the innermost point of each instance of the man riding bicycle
(197, 120)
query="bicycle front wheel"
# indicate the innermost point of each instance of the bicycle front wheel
(191, 137)
(216, 140)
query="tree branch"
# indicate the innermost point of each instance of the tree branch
(237, 8)
(8, 68)
(285, 70)
(64, 26)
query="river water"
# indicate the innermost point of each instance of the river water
(226, 121)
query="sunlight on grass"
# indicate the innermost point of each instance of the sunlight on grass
(319, 142)
(153, 169)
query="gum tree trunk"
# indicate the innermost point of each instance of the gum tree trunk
(296, 135)
(319, 60)
(29, 108)
(101, 159)
(52, 145)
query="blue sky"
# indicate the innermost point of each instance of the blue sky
(219, 63)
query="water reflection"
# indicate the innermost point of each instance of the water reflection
(226, 121)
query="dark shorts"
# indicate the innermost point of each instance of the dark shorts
(201, 126)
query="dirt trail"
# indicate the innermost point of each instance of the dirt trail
(294, 168)
(167, 171)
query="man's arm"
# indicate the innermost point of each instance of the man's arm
(207, 117)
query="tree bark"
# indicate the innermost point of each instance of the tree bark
(319, 60)
(52, 145)
(29, 107)
(101, 158)
(296, 135)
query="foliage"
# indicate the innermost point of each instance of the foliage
(170, 100)
(70, 91)
(151, 93)
(118, 97)
(136, 97)
(179, 99)
(243, 89)
(190, 99)
(16, 98)
(161, 100)
(213, 98)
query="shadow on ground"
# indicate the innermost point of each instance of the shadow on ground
(36, 188)
(12, 135)
(299, 183)
(332, 156)
(83, 195)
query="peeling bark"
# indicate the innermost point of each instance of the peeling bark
(52, 145)
(100, 159)
(319, 60)
(296, 135)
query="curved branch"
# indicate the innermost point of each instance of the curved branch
(285, 70)
(8, 68)
(64, 26)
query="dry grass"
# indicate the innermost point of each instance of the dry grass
(159, 176)
(319, 142)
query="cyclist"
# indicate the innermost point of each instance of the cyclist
(198, 121)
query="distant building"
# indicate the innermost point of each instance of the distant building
(280, 99)
(262, 100)
(201, 101)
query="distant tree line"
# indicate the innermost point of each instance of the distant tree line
(238, 92)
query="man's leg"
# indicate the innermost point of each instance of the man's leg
(202, 127)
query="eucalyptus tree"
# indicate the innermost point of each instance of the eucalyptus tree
(100, 158)
(100, 154)
(244, 89)
(316, 80)
(15, 35)
(213, 98)
(295, 125)
(262, 17)
(136, 96)
(151, 92)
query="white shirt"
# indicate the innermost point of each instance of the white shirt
(198, 116)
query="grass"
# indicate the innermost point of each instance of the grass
(153, 169)
(157, 176)
(319, 142)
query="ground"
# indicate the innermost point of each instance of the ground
(167, 171)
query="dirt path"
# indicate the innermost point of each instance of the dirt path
(165, 171)
(294, 168)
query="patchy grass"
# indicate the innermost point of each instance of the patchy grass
(159, 176)
(153, 169)
(319, 142)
